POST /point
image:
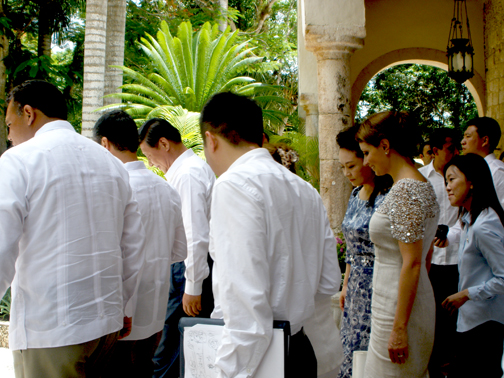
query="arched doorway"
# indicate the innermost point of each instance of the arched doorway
(431, 57)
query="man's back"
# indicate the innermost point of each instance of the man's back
(165, 243)
(273, 251)
(68, 203)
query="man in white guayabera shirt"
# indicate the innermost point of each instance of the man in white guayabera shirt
(162, 144)
(71, 240)
(165, 243)
(273, 249)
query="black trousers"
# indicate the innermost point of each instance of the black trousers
(444, 280)
(301, 361)
(479, 352)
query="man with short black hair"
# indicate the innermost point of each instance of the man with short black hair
(273, 249)
(443, 271)
(160, 208)
(161, 143)
(71, 240)
(426, 152)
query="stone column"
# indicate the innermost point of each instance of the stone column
(333, 47)
(309, 106)
(494, 61)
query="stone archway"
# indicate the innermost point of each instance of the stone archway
(432, 57)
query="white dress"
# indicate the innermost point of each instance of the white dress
(408, 213)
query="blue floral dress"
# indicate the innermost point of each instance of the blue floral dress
(356, 326)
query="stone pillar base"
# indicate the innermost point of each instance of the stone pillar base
(4, 334)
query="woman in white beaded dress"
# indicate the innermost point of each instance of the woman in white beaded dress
(402, 230)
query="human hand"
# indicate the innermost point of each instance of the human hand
(441, 243)
(191, 304)
(126, 330)
(342, 298)
(398, 346)
(455, 301)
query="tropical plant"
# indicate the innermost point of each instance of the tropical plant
(189, 69)
(5, 304)
(308, 166)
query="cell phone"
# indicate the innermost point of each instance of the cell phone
(442, 231)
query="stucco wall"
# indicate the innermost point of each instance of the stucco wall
(494, 30)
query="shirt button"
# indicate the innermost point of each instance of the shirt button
(63, 324)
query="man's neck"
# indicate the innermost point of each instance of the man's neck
(125, 156)
(437, 167)
(177, 149)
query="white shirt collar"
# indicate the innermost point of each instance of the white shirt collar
(252, 154)
(178, 161)
(54, 125)
(134, 165)
(490, 157)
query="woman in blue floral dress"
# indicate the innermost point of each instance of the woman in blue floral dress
(355, 299)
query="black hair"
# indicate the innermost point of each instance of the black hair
(476, 170)
(157, 128)
(397, 127)
(236, 118)
(119, 128)
(423, 144)
(438, 138)
(487, 127)
(347, 139)
(41, 95)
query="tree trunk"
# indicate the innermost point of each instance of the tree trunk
(223, 7)
(94, 63)
(4, 51)
(44, 32)
(116, 26)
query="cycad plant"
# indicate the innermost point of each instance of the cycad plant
(189, 69)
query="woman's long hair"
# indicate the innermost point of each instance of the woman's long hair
(346, 139)
(483, 193)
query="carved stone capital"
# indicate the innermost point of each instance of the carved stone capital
(328, 42)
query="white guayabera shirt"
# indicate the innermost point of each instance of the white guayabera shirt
(165, 243)
(71, 239)
(274, 252)
(193, 179)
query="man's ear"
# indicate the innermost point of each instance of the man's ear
(485, 142)
(164, 144)
(105, 143)
(435, 151)
(211, 141)
(29, 112)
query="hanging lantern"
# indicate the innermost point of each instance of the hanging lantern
(460, 51)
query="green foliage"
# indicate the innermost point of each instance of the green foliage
(426, 92)
(5, 305)
(308, 166)
(188, 69)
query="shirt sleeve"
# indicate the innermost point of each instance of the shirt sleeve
(132, 246)
(179, 251)
(330, 278)
(489, 241)
(241, 271)
(498, 180)
(13, 211)
(195, 216)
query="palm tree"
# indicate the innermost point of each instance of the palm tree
(189, 69)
